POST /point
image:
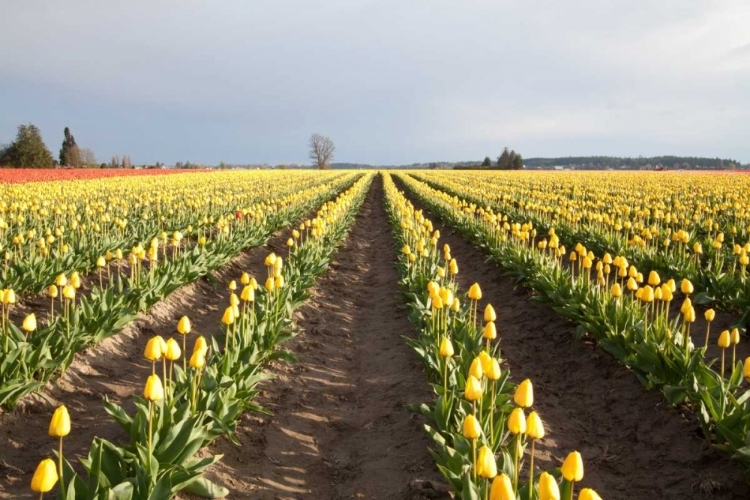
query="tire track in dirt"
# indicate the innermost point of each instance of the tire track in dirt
(633, 444)
(115, 369)
(340, 428)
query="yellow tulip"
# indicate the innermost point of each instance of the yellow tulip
(154, 390)
(502, 488)
(198, 359)
(486, 465)
(686, 287)
(173, 351)
(725, 339)
(489, 331)
(588, 494)
(548, 488)
(446, 348)
(489, 314)
(746, 369)
(59, 426)
(493, 373)
(29, 323)
(475, 370)
(710, 314)
(475, 293)
(45, 477)
(517, 421)
(228, 317)
(534, 426)
(184, 326)
(572, 467)
(524, 395)
(471, 427)
(616, 290)
(153, 349)
(473, 390)
(653, 278)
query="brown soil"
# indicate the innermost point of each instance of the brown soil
(633, 444)
(340, 428)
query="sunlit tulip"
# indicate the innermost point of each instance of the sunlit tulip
(29, 323)
(572, 467)
(548, 488)
(517, 421)
(446, 348)
(588, 494)
(686, 287)
(473, 390)
(173, 351)
(475, 370)
(489, 331)
(471, 427)
(475, 293)
(45, 477)
(486, 464)
(502, 488)
(154, 390)
(489, 314)
(524, 395)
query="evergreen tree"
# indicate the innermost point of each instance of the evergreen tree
(69, 153)
(503, 161)
(487, 162)
(29, 149)
(518, 162)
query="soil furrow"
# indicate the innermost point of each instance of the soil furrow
(340, 428)
(632, 443)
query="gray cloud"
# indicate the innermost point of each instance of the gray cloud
(389, 81)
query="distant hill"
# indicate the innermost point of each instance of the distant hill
(615, 162)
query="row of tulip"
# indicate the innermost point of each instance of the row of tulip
(482, 435)
(58, 227)
(36, 352)
(704, 238)
(629, 320)
(190, 401)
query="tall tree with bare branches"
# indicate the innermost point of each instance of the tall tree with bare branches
(321, 150)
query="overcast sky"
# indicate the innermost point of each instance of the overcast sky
(391, 82)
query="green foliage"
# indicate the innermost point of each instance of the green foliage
(69, 153)
(29, 150)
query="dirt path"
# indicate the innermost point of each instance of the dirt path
(116, 369)
(340, 429)
(633, 445)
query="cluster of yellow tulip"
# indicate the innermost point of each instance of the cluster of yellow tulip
(635, 327)
(492, 429)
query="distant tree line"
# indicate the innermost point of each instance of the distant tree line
(29, 151)
(601, 162)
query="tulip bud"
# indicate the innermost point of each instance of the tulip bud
(588, 494)
(734, 336)
(710, 314)
(489, 314)
(686, 287)
(228, 317)
(524, 396)
(572, 468)
(746, 369)
(653, 278)
(475, 370)
(473, 390)
(184, 326)
(493, 372)
(173, 351)
(616, 291)
(471, 427)
(269, 284)
(154, 390)
(548, 488)
(200, 345)
(52, 291)
(153, 349)
(517, 421)
(475, 293)
(59, 426)
(245, 279)
(248, 294)
(29, 323)
(45, 477)
(198, 359)
(534, 426)
(61, 280)
(232, 285)
(486, 464)
(502, 488)
(233, 299)
(69, 292)
(446, 348)
(725, 339)
(490, 331)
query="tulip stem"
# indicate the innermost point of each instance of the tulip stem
(474, 454)
(184, 353)
(708, 330)
(723, 351)
(531, 470)
(516, 458)
(150, 430)
(60, 462)
(572, 487)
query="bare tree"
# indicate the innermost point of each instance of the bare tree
(321, 150)
(87, 157)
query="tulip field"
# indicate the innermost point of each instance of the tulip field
(504, 290)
